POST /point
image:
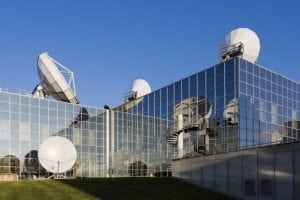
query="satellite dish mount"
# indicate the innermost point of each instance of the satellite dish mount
(231, 51)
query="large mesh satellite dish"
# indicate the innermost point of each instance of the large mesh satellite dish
(53, 81)
(57, 154)
(241, 42)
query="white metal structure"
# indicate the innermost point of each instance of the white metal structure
(53, 82)
(241, 42)
(57, 154)
(139, 88)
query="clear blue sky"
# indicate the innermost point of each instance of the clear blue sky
(110, 43)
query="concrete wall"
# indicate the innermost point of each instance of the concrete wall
(271, 172)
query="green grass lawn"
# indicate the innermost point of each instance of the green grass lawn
(114, 188)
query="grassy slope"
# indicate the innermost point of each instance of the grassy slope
(116, 188)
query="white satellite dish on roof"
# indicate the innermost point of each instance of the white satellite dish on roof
(57, 154)
(241, 42)
(139, 88)
(53, 82)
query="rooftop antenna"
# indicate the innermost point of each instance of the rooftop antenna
(53, 81)
(241, 42)
(139, 88)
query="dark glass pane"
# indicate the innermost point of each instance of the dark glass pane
(220, 103)
(193, 91)
(193, 80)
(201, 76)
(185, 93)
(274, 78)
(268, 75)
(249, 67)
(262, 73)
(250, 79)
(210, 84)
(210, 73)
(256, 70)
(210, 94)
(243, 64)
(229, 65)
(185, 83)
(157, 99)
(219, 81)
(171, 94)
(201, 88)
(268, 85)
(220, 92)
(250, 90)
(243, 76)
(229, 77)
(151, 102)
(177, 92)
(164, 96)
(229, 88)
(219, 69)
(243, 88)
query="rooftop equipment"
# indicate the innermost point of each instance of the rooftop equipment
(139, 88)
(53, 82)
(241, 42)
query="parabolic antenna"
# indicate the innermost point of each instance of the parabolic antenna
(57, 154)
(241, 42)
(53, 82)
(139, 88)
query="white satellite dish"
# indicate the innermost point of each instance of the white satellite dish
(241, 42)
(139, 88)
(53, 82)
(57, 154)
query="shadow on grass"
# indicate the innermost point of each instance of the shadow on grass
(141, 188)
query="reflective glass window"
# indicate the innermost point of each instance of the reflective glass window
(210, 73)
(220, 69)
(229, 65)
(210, 84)
(201, 76)
(229, 77)
(219, 81)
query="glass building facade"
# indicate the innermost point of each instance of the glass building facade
(139, 145)
(233, 105)
(269, 106)
(230, 106)
(25, 122)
